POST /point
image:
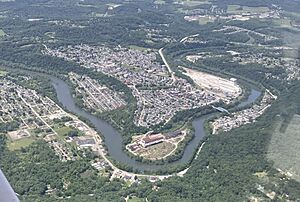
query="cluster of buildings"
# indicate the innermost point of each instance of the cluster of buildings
(201, 55)
(240, 13)
(289, 65)
(156, 35)
(90, 139)
(100, 164)
(158, 96)
(224, 89)
(41, 117)
(143, 143)
(29, 108)
(18, 134)
(38, 115)
(249, 115)
(94, 95)
(228, 30)
(160, 105)
(34, 113)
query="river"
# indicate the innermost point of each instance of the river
(113, 139)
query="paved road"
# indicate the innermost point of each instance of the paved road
(167, 65)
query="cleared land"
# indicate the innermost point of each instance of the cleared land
(2, 73)
(18, 144)
(63, 131)
(194, 3)
(284, 148)
(283, 22)
(237, 9)
(2, 33)
(217, 84)
(205, 20)
(157, 151)
(160, 2)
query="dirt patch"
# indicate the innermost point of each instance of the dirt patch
(18, 134)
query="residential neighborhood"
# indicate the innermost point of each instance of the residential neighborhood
(159, 94)
(70, 138)
(249, 115)
(94, 95)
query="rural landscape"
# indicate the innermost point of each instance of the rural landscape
(157, 100)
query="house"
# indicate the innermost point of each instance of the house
(84, 142)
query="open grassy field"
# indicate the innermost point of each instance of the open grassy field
(157, 151)
(139, 48)
(160, 2)
(237, 9)
(2, 33)
(2, 73)
(284, 148)
(283, 23)
(63, 131)
(192, 3)
(205, 20)
(87, 5)
(18, 144)
(292, 14)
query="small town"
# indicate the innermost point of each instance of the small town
(149, 100)
(159, 94)
(94, 95)
(40, 117)
(228, 30)
(69, 137)
(249, 115)
(288, 64)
